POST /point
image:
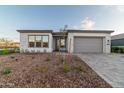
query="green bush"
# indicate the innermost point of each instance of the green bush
(1, 52)
(121, 50)
(5, 51)
(117, 49)
(6, 71)
(113, 50)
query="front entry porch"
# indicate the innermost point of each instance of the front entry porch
(60, 42)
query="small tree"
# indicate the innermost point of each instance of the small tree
(6, 42)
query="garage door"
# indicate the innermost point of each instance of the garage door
(88, 44)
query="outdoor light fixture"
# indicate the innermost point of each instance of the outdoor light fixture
(108, 42)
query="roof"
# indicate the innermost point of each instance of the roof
(89, 31)
(35, 31)
(119, 36)
(68, 31)
(59, 33)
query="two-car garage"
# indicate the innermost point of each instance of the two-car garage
(89, 41)
(88, 44)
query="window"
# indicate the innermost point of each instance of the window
(45, 41)
(38, 41)
(31, 41)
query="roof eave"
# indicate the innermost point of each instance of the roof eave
(90, 31)
(34, 31)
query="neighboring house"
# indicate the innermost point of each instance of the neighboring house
(73, 41)
(118, 40)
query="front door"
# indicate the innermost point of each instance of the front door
(60, 44)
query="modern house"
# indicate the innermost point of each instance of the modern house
(118, 40)
(73, 41)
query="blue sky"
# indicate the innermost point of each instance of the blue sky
(55, 17)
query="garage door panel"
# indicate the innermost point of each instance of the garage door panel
(88, 44)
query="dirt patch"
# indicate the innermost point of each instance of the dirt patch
(47, 70)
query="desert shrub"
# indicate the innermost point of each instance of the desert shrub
(12, 57)
(32, 51)
(38, 51)
(33, 57)
(22, 50)
(12, 50)
(26, 51)
(78, 68)
(16, 50)
(16, 59)
(5, 51)
(41, 69)
(1, 62)
(44, 50)
(62, 60)
(6, 71)
(66, 68)
(48, 58)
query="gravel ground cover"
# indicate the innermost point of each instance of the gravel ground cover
(47, 71)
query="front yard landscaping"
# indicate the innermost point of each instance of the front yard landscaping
(7, 51)
(47, 70)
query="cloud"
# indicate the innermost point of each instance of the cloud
(119, 8)
(86, 24)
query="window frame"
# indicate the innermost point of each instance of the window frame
(35, 41)
(48, 41)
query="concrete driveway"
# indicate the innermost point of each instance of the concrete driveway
(109, 66)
